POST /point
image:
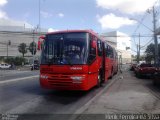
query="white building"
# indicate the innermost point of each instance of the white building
(16, 35)
(120, 41)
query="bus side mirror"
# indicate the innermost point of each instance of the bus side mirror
(42, 37)
(93, 44)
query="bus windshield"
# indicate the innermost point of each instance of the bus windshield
(65, 48)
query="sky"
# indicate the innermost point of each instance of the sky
(99, 15)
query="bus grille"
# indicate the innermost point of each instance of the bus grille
(60, 80)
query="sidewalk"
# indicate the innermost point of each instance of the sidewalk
(126, 95)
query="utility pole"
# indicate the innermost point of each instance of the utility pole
(139, 46)
(155, 37)
(137, 55)
(33, 47)
(138, 49)
(8, 43)
(7, 50)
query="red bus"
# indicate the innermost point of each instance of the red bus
(76, 60)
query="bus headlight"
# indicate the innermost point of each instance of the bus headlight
(77, 79)
(43, 76)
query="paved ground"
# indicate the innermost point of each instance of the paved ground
(127, 95)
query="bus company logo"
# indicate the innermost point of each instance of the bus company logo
(76, 68)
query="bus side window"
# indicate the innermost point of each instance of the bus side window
(92, 51)
(107, 49)
(99, 46)
(111, 53)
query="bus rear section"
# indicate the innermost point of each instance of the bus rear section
(111, 61)
(71, 60)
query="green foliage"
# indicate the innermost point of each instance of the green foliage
(22, 48)
(19, 60)
(15, 60)
(9, 60)
(1, 59)
(32, 48)
(150, 52)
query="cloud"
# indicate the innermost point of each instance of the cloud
(3, 15)
(126, 6)
(52, 30)
(114, 22)
(46, 14)
(6, 21)
(61, 15)
(3, 2)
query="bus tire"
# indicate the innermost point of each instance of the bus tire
(116, 71)
(99, 80)
(111, 74)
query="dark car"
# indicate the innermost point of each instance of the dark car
(36, 65)
(133, 66)
(156, 78)
(145, 70)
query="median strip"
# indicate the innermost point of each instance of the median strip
(18, 79)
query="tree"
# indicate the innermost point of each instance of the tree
(22, 48)
(32, 48)
(150, 52)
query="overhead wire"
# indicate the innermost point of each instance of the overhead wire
(138, 26)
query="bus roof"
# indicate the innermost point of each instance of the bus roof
(69, 31)
(87, 31)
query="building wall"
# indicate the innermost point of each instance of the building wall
(123, 41)
(16, 39)
(16, 34)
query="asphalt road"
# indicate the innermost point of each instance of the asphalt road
(13, 74)
(26, 97)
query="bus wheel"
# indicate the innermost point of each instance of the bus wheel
(111, 74)
(99, 80)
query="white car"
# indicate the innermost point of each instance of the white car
(5, 66)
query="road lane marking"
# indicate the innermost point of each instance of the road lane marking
(18, 79)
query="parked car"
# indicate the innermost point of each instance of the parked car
(133, 66)
(156, 78)
(5, 66)
(144, 69)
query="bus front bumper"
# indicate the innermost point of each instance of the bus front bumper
(64, 82)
